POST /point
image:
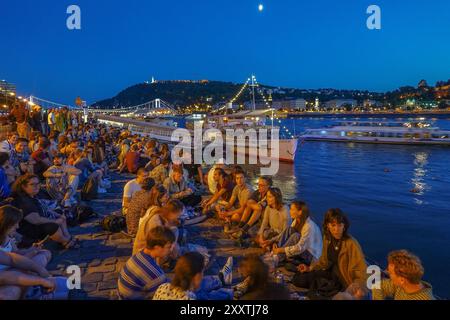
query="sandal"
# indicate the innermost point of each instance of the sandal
(72, 244)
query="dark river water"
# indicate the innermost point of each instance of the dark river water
(373, 185)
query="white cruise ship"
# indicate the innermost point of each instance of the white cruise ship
(287, 143)
(408, 133)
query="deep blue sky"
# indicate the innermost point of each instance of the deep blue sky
(295, 43)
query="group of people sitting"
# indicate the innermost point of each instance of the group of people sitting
(40, 176)
(39, 179)
(327, 262)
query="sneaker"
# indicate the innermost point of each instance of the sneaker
(238, 234)
(227, 271)
(241, 288)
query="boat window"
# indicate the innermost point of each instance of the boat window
(381, 134)
(373, 134)
(417, 136)
(342, 133)
(408, 136)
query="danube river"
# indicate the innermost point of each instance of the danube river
(373, 184)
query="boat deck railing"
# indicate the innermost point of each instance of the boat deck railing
(141, 126)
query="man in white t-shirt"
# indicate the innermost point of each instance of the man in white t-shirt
(132, 187)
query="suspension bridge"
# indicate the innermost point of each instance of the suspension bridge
(156, 107)
(47, 104)
(150, 108)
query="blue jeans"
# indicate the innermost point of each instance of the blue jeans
(290, 237)
(211, 289)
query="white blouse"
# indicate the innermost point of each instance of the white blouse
(311, 240)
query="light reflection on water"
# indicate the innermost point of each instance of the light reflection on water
(373, 184)
(418, 180)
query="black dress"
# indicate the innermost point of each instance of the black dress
(323, 282)
(32, 232)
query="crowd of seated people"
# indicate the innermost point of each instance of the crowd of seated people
(42, 167)
(288, 235)
(327, 262)
(41, 172)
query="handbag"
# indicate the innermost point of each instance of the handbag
(324, 288)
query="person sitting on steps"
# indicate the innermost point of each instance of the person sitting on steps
(254, 208)
(301, 241)
(233, 210)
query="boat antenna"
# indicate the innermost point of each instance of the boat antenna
(253, 85)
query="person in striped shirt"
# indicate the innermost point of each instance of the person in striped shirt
(141, 275)
(405, 283)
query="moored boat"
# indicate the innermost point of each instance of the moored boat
(287, 147)
(382, 132)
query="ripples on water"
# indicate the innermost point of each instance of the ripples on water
(397, 197)
(373, 184)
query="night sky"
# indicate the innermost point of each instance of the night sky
(292, 43)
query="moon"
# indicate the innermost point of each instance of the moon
(260, 8)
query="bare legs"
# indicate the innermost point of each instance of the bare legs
(252, 213)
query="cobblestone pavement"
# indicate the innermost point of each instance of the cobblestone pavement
(102, 254)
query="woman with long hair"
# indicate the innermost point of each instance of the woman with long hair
(258, 284)
(341, 264)
(158, 215)
(20, 269)
(164, 151)
(10, 218)
(276, 218)
(35, 226)
(302, 241)
(187, 279)
(139, 204)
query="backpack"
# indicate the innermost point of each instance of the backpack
(90, 190)
(84, 213)
(113, 223)
(79, 215)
